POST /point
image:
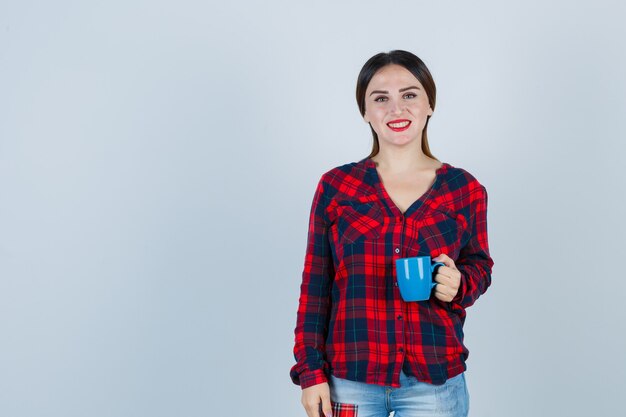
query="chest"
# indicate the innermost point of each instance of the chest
(405, 191)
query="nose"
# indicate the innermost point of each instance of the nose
(397, 107)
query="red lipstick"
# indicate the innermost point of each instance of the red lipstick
(399, 128)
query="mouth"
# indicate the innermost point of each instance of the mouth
(399, 125)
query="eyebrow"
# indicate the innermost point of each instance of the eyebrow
(400, 90)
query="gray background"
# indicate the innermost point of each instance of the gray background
(158, 162)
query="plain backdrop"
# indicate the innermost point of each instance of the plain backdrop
(158, 162)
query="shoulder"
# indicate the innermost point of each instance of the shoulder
(349, 178)
(462, 191)
(458, 178)
(340, 172)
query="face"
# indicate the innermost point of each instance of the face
(396, 106)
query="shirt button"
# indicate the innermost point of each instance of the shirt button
(397, 250)
(401, 350)
(399, 317)
(395, 283)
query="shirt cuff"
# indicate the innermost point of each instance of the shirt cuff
(310, 378)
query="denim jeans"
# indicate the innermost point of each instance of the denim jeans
(412, 399)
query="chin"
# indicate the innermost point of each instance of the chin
(399, 141)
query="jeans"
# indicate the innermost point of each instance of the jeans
(412, 399)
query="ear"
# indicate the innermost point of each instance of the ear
(430, 111)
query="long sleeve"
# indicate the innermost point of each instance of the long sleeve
(314, 305)
(474, 260)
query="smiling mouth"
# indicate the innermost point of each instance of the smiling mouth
(399, 125)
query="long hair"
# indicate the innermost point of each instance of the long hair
(413, 64)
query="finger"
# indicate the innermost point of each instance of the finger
(442, 269)
(447, 271)
(444, 279)
(312, 406)
(442, 257)
(326, 406)
(448, 262)
(443, 296)
(440, 297)
(311, 411)
(446, 291)
(444, 288)
(453, 274)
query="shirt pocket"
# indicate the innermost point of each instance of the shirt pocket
(440, 229)
(359, 221)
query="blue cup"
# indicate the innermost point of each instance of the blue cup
(415, 277)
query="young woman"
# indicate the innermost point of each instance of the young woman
(361, 350)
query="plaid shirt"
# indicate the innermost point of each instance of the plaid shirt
(351, 320)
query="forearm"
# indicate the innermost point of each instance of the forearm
(310, 350)
(314, 303)
(475, 262)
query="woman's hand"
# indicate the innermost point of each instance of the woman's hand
(448, 278)
(313, 395)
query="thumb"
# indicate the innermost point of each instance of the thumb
(326, 406)
(442, 257)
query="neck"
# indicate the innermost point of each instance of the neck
(396, 159)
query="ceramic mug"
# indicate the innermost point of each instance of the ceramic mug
(415, 277)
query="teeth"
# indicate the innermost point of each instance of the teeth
(399, 125)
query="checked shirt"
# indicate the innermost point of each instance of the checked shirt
(351, 319)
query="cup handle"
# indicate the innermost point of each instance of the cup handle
(432, 269)
(435, 265)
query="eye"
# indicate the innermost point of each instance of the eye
(381, 97)
(410, 94)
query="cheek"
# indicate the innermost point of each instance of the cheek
(376, 116)
(419, 107)
(420, 113)
(380, 114)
